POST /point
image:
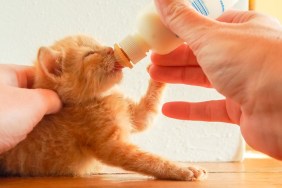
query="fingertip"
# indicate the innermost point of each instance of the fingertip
(153, 72)
(176, 110)
(49, 99)
(166, 109)
(155, 58)
(159, 74)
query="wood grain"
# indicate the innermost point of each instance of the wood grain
(251, 173)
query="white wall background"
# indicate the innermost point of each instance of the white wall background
(25, 25)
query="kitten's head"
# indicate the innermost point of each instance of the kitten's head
(77, 68)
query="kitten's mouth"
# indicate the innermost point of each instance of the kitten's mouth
(118, 66)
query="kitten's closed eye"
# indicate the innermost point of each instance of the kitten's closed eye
(92, 52)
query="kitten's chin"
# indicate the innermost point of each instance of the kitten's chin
(110, 82)
(117, 73)
(114, 77)
(118, 77)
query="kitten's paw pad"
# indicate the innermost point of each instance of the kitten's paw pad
(197, 174)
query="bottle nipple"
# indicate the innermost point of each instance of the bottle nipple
(131, 50)
(121, 57)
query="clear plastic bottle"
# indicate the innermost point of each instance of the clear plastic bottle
(151, 34)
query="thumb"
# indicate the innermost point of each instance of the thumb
(47, 100)
(183, 20)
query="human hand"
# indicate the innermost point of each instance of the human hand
(21, 108)
(240, 56)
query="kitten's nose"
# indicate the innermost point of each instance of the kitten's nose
(109, 51)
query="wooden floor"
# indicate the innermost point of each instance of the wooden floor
(252, 173)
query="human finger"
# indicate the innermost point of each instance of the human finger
(25, 76)
(46, 100)
(17, 75)
(179, 75)
(183, 20)
(182, 56)
(211, 111)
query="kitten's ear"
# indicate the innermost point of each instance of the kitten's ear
(50, 62)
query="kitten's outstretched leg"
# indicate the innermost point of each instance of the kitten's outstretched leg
(129, 157)
(142, 113)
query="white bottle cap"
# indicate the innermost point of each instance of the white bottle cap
(135, 47)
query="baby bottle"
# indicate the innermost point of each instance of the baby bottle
(151, 34)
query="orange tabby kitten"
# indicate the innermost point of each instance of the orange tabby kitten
(94, 124)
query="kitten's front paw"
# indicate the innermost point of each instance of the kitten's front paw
(155, 85)
(186, 174)
(196, 174)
